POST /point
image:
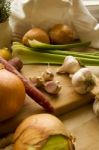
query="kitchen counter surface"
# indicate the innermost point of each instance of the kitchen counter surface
(85, 127)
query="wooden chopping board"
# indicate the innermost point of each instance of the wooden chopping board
(65, 101)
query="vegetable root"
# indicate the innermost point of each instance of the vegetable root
(32, 91)
(16, 62)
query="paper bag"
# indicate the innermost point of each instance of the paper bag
(46, 13)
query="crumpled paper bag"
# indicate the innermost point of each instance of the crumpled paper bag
(45, 13)
(40, 13)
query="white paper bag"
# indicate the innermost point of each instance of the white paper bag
(46, 13)
(85, 24)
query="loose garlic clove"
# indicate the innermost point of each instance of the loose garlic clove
(52, 87)
(37, 81)
(83, 81)
(70, 65)
(47, 75)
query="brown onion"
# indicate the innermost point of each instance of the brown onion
(12, 94)
(61, 34)
(36, 34)
(42, 131)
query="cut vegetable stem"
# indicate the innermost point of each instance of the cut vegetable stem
(31, 56)
(38, 45)
(75, 54)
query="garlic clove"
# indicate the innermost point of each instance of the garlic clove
(52, 87)
(37, 81)
(47, 75)
(70, 65)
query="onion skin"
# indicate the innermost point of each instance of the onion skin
(35, 131)
(12, 94)
(37, 34)
(61, 34)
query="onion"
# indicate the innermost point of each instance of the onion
(12, 94)
(42, 132)
(61, 34)
(36, 34)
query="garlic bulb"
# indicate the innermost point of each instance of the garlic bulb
(70, 65)
(83, 81)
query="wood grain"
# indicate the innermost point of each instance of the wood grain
(67, 99)
(84, 125)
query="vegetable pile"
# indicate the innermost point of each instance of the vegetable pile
(47, 82)
(83, 80)
(37, 52)
(32, 91)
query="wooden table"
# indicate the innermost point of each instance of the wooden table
(85, 127)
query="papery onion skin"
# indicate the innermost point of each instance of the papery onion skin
(12, 94)
(37, 34)
(61, 34)
(36, 129)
